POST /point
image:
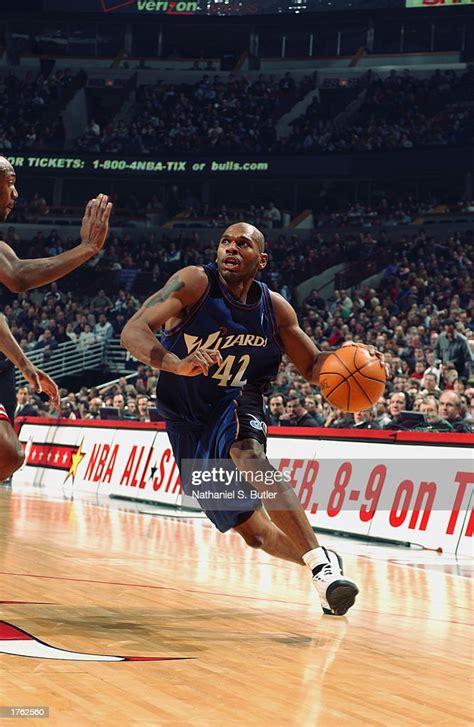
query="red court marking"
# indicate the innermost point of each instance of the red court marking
(158, 658)
(8, 632)
(35, 603)
(159, 588)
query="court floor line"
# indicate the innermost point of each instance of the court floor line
(155, 587)
(216, 593)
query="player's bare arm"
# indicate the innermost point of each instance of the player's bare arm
(169, 304)
(298, 346)
(20, 275)
(37, 378)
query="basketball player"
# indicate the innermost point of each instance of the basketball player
(222, 338)
(20, 275)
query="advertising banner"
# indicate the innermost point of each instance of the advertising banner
(416, 489)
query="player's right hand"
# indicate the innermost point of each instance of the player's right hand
(95, 223)
(41, 382)
(198, 362)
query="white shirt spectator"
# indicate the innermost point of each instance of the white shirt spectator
(103, 329)
(86, 338)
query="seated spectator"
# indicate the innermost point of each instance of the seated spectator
(296, 415)
(429, 384)
(103, 329)
(53, 294)
(365, 419)
(130, 411)
(118, 402)
(101, 302)
(46, 342)
(398, 402)
(276, 408)
(450, 410)
(143, 405)
(24, 407)
(67, 410)
(338, 419)
(449, 375)
(312, 408)
(429, 407)
(86, 338)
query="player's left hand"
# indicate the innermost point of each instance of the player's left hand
(373, 352)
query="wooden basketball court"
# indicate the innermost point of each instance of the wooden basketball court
(246, 637)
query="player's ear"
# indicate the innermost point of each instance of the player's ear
(263, 261)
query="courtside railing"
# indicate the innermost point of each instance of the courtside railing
(69, 359)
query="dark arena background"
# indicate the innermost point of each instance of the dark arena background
(344, 131)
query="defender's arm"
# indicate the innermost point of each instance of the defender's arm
(20, 275)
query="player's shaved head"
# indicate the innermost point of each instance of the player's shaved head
(5, 166)
(8, 192)
(244, 228)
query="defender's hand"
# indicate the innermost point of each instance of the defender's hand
(95, 223)
(41, 382)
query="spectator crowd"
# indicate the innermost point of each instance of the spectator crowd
(29, 106)
(236, 114)
(215, 114)
(399, 111)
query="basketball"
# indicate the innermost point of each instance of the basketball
(351, 379)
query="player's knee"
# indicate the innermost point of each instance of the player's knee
(11, 461)
(8, 468)
(246, 454)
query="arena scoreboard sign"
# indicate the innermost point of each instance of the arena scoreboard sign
(155, 8)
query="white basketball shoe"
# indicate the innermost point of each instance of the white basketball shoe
(336, 593)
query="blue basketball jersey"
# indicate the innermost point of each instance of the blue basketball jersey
(247, 338)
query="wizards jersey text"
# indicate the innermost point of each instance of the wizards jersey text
(246, 336)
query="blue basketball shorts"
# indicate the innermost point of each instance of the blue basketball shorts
(234, 420)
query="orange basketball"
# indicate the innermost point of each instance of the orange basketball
(351, 379)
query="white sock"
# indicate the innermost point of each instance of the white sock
(315, 557)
